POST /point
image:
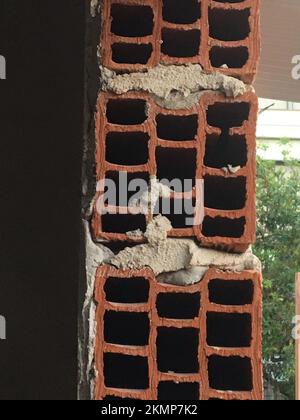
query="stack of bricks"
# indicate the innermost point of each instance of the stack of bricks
(164, 342)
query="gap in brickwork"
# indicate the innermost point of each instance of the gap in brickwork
(225, 193)
(231, 292)
(232, 57)
(118, 245)
(229, 330)
(171, 391)
(177, 128)
(177, 350)
(176, 163)
(178, 305)
(181, 11)
(223, 227)
(229, 25)
(181, 43)
(126, 111)
(123, 223)
(121, 184)
(227, 115)
(126, 372)
(132, 21)
(126, 328)
(221, 151)
(130, 149)
(230, 373)
(123, 53)
(127, 290)
(180, 212)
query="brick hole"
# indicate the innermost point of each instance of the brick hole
(126, 111)
(126, 372)
(233, 57)
(227, 115)
(177, 164)
(126, 328)
(229, 330)
(127, 290)
(230, 373)
(178, 305)
(223, 227)
(229, 24)
(123, 53)
(130, 149)
(123, 223)
(181, 43)
(177, 128)
(122, 181)
(132, 21)
(225, 193)
(177, 350)
(180, 212)
(181, 11)
(231, 292)
(171, 391)
(221, 151)
(112, 398)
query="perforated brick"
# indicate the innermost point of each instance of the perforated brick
(213, 142)
(223, 36)
(198, 342)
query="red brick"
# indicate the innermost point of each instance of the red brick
(192, 35)
(225, 326)
(217, 132)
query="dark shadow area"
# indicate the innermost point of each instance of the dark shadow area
(225, 193)
(123, 223)
(131, 53)
(230, 373)
(233, 57)
(229, 330)
(125, 372)
(171, 391)
(223, 227)
(180, 212)
(127, 290)
(121, 182)
(229, 25)
(126, 111)
(177, 128)
(231, 292)
(128, 149)
(181, 43)
(132, 21)
(224, 150)
(181, 11)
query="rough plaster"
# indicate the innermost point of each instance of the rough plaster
(174, 86)
(179, 261)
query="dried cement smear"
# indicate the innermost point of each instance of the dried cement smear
(179, 261)
(173, 86)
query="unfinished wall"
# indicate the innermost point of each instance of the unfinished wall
(174, 103)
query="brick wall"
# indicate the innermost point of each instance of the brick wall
(157, 341)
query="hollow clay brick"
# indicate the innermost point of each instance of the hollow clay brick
(233, 227)
(205, 376)
(205, 42)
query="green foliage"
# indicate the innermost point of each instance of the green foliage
(278, 247)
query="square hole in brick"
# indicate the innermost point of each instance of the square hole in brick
(126, 372)
(177, 127)
(123, 187)
(223, 227)
(227, 115)
(180, 212)
(123, 223)
(127, 290)
(181, 11)
(229, 330)
(224, 150)
(232, 57)
(178, 305)
(222, 193)
(126, 328)
(132, 21)
(181, 43)
(230, 373)
(176, 168)
(128, 149)
(231, 292)
(177, 350)
(229, 24)
(126, 111)
(185, 391)
(123, 53)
